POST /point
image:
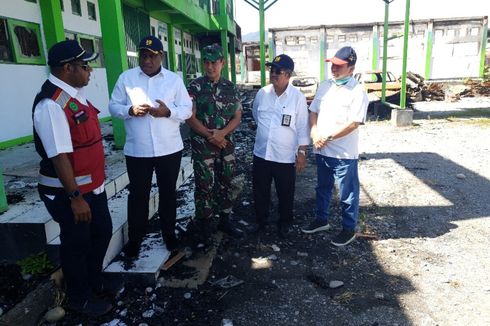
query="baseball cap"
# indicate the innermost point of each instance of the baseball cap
(282, 61)
(68, 51)
(151, 43)
(343, 56)
(212, 52)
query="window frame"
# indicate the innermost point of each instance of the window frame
(73, 8)
(97, 63)
(15, 46)
(94, 18)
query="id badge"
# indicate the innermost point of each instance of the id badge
(80, 116)
(286, 120)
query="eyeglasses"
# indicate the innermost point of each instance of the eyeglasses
(276, 71)
(85, 67)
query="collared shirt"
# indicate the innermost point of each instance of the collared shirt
(52, 126)
(336, 106)
(149, 136)
(282, 124)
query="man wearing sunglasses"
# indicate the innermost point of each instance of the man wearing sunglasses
(339, 107)
(153, 103)
(281, 115)
(216, 113)
(67, 136)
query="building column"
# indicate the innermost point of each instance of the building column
(171, 48)
(272, 48)
(54, 30)
(232, 59)
(243, 67)
(483, 48)
(323, 36)
(429, 42)
(224, 44)
(375, 58)
(183, 55)
(3, 197)
(115, 57)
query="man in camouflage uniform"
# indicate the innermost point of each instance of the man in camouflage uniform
(216, 113)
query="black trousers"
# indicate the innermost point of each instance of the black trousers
(284, 176)
(140, 173)
(83, 245)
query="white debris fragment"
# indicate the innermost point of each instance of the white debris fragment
(148, 313)
(334, 284)
(275, 248)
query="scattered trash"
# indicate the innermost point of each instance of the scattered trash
(54, 315)
(460, 176)
(17, 185)
(148, 313)
(187, 295)
(261, 263)
(293, 262)
(123, 312)
(226, 322)
(272, 257)
(243, 222)
(302, 254)
(227, 282)
(149, 290)
(275, 248)
(379, 295)
(334, 284)
(245, 203)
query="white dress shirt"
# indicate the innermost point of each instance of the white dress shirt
(149, 136)
(276, 140)
(336, 106)
(52, 126)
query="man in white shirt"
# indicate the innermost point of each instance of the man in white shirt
(153, 102)
(339, 107)
(67, 136)
(281, 115)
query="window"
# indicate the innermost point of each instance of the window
(91, 11)
(329, 38)
(313, 40)
(92, 44)
(76, 7)
(475, 31)
(153, 31)
(5, 50)
(26, 42)
(62, 5)
(353, 38)
(33, 1)
(291, 40)
(341, 38)
(301, 40)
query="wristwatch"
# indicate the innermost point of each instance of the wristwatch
(74, 194)
(330, 138)
(302, 152)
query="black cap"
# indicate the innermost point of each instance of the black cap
(68, 51)
(151, 43)
(282, 61)
(343, 56)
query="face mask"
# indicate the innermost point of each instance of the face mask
(342, 81)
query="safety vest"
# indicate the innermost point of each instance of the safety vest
(87, 158)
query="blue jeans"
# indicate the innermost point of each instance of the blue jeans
(344, 173)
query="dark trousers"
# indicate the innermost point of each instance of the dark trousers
(284, 176)
(83, 245)
(140, 173)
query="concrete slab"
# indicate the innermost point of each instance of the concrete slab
(401, 118)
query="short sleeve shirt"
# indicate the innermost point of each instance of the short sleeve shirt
(216, 104)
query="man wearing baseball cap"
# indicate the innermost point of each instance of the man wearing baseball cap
(67, 136)
(339, 107)
(281, 115)
(216, 113)
(153, 103)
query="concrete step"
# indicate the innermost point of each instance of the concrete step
(118, 208)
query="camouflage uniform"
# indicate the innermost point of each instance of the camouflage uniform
(216, 105)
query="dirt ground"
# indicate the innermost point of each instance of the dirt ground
(425, 199)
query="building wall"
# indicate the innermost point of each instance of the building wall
(21, 82)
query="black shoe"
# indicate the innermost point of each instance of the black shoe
(283, 231)
(109, 289)
(316, 226)
(91, 308)
(343, 238)
(227, 227)
(172, 243)
(132, 249)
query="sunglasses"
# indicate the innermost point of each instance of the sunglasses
(85, 66)
(276, 71)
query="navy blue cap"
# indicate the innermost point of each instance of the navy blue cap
(151, 43)
(282, 61)
(68, 51)
(343, 56)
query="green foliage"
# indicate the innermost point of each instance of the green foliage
(486, 73)
(35, 264)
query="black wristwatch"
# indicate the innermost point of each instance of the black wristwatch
(74, 194)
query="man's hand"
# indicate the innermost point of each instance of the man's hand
(162, 111)
(139, 110)
(300, 162)
(217, 135)
(81, 210)
(220, 144)
(320, 142)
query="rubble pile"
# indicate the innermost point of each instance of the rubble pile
(418, 90)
